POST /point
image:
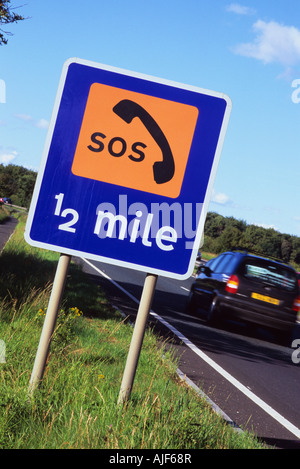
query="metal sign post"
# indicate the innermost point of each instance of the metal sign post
(137, 338)
(50, 320)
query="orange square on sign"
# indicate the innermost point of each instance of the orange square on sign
(134, 140)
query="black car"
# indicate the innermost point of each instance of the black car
(248, 287)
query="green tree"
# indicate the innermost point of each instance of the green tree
(214, 224)
(270, 244)
(240, 225)
(17, 183)
(295, 254)
(229, 239)
(286, 249)
(226, 233)
(7, 16)
(252, 237)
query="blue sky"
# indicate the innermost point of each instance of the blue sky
(248, 50)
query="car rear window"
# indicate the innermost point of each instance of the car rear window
(225, 265)
(270, 274)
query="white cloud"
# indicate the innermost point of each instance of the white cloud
(274, 43)
(24, 117)
(239, 9)
(7, 157)
(42, 124)
(220, 198)
(263, 225)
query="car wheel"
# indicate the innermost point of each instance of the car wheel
(213, 314)
(191, 306)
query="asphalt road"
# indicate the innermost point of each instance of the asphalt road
(247, 374)
(6, 229)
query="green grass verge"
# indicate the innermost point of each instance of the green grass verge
(76, 403)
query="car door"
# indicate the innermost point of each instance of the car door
(207, 281)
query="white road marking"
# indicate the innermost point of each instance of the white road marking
(263, 405)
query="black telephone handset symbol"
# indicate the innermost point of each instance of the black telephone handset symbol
(163, 171)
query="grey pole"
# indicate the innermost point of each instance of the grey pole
(50, 320)
(137, 338)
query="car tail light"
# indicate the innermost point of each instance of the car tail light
(296, 305)
(232, 284)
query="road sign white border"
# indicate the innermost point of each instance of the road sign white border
(48, 140)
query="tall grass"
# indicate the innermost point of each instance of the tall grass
(76, 404)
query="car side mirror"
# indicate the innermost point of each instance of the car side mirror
(203, 269)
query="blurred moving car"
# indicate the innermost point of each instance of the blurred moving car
(251, 288)
(7, 200)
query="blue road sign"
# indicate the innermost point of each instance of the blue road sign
(128, 169)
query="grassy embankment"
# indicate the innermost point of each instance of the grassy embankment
(76, 404)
